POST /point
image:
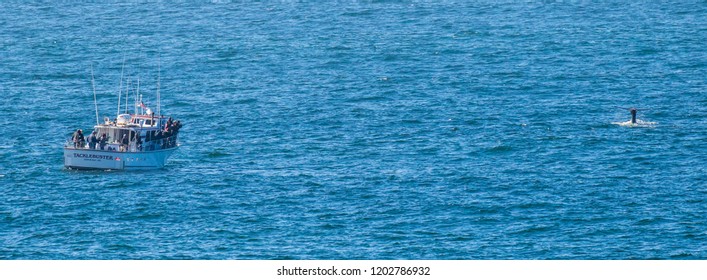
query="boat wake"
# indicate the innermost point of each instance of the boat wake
(639, 123)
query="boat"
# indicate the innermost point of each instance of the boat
(140, 140)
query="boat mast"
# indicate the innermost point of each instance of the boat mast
(127, 93)
(120, 89)
(159, 113)
(95, 103)
(137, 94)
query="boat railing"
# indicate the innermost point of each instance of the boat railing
(157, 144)
(133, 146)
(71, 144)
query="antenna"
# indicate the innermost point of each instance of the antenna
(127, 93)
(95, 103)
(137, 94)
(120, 89)
(159, 58)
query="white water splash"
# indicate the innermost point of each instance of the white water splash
(639, 123)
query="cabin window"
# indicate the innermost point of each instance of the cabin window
(119, 133)
(102, 131)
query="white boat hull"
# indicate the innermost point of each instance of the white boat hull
(98, 159)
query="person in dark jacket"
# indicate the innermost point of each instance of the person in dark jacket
(124, 143)
(176, 126)
(92, 139)
(102, 141)
(138, 141)
(78, 139)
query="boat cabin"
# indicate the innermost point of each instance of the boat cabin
(136, 133)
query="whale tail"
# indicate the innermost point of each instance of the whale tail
(633, 111)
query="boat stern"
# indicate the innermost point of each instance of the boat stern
(91, 159)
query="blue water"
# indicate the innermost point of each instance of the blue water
(363, 130)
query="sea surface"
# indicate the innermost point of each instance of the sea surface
(362, 129)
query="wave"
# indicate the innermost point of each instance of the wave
(217, 153)
(500, 148)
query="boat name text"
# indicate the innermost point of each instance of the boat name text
(92, 156)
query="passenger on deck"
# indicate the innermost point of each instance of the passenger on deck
(92, 140)
(138, 142)
(176, 126)
(78, 139)
(102, 141)
(124, 143)
(166, 142)
(167, 125)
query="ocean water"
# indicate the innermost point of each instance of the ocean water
(363, 130)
